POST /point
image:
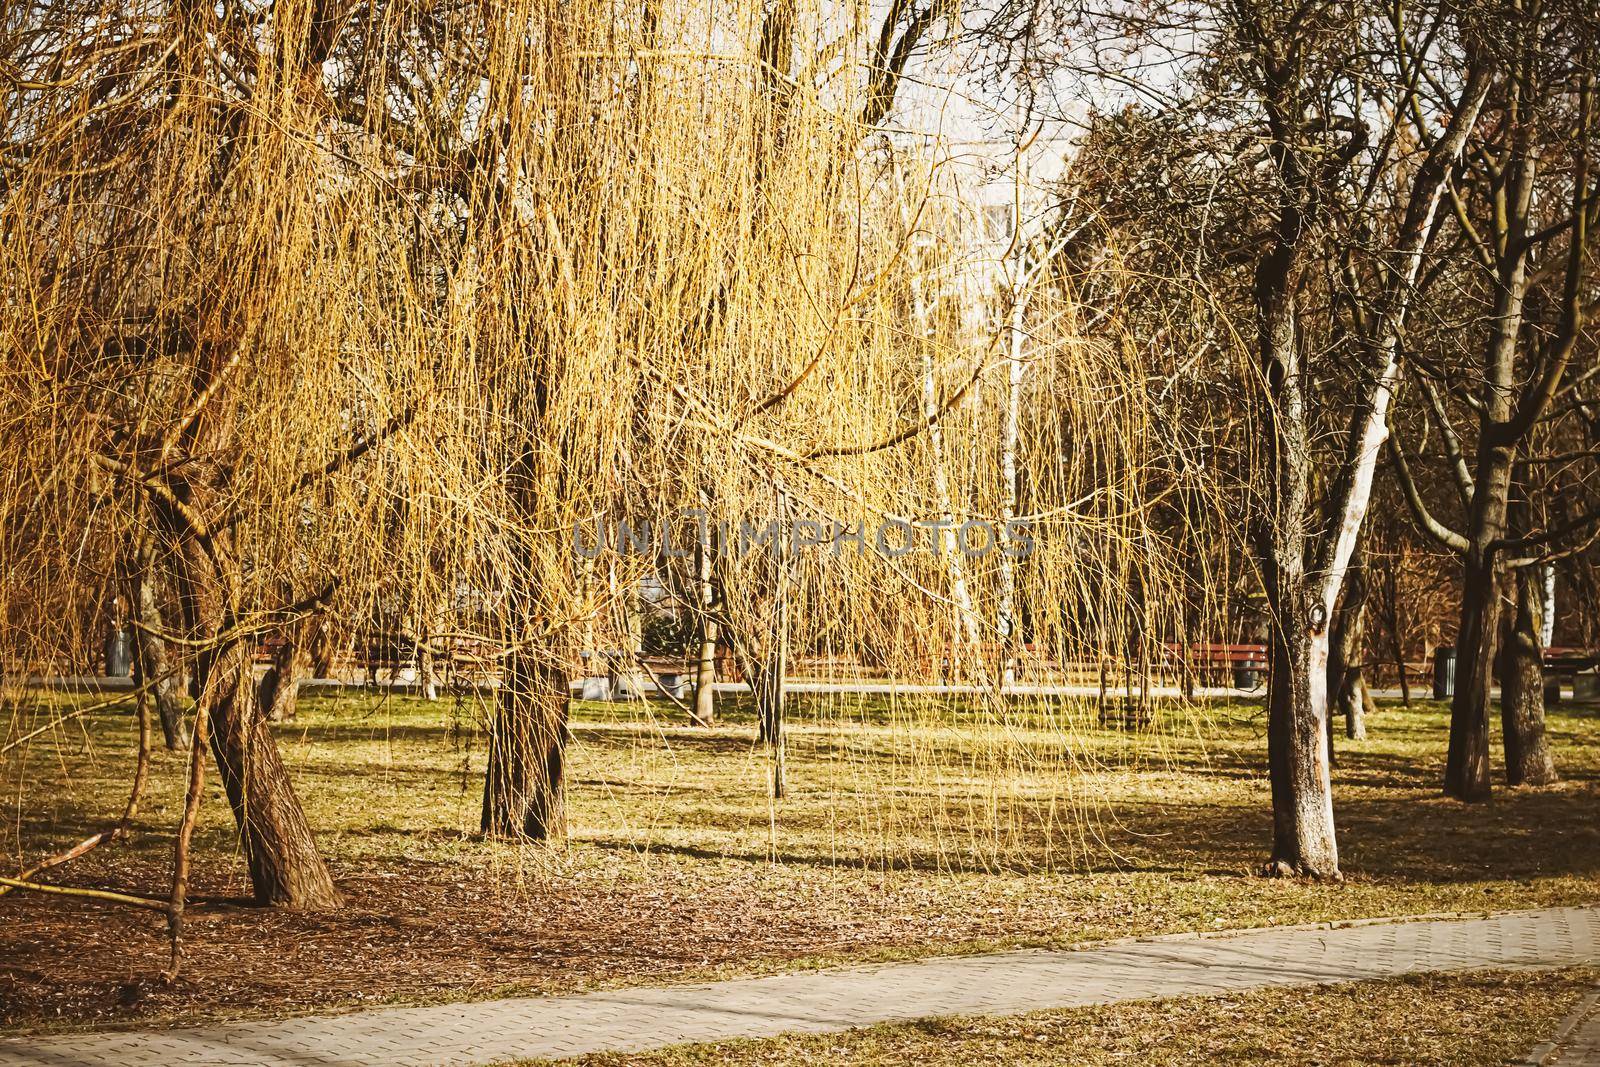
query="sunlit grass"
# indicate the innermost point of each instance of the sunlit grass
(910, 828)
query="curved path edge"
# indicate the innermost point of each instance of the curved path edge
(1003, 983)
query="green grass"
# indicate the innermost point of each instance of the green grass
(1478, 1019)
(911, 828)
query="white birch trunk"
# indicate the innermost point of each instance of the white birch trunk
(1547, 605)
(955, 573)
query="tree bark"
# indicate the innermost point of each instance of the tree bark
(1347, 684)
(1527, 748)
(286, 870)
(1303, 835)
(1466, 775)
(769, 693)
(704, 711)
(150, 660)
(280, 851)
(524, 790)
(278, 693)
(427, 659)
(773, 671)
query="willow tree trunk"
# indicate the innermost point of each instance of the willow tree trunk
(1528, 757)
(704, 711)
(773, 671)
(524, 790)
(769, 693)
(286, 870)
(151, 664)
(279, 691)
(428, 658)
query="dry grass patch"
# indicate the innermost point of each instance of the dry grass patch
(909, 831)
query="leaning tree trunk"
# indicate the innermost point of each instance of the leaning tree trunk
(151, 663)
(286, 870)
(278, 693)
(1528, 758)
(524, 790)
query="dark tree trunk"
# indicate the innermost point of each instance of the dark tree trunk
(150, 660)
(1528, 758)
(286, 870)
(1466, 775)
(524, 794)
(322, 646)
(1347, 684)
(773, 671)
(769, 693)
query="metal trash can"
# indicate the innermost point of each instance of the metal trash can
(118, 654)
(1247, 675)
(1444, 672)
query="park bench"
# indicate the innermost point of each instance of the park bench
(1243, 663)
(1563, 666)
(1028, 661)
(267, 648)
(612, 674)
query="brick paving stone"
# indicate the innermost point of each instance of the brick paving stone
(631, 1020)
(1577, 1042)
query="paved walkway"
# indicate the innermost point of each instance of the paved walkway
(833, 1000)
(1577, 1041)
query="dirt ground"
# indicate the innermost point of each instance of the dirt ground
(679, 868)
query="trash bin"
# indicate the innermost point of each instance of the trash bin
(1444, 672)
(1247, 674)
(119, 654)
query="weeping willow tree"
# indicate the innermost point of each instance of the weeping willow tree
(300, 299)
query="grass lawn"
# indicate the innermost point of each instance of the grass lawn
(1476, 1019)
(911, 828)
